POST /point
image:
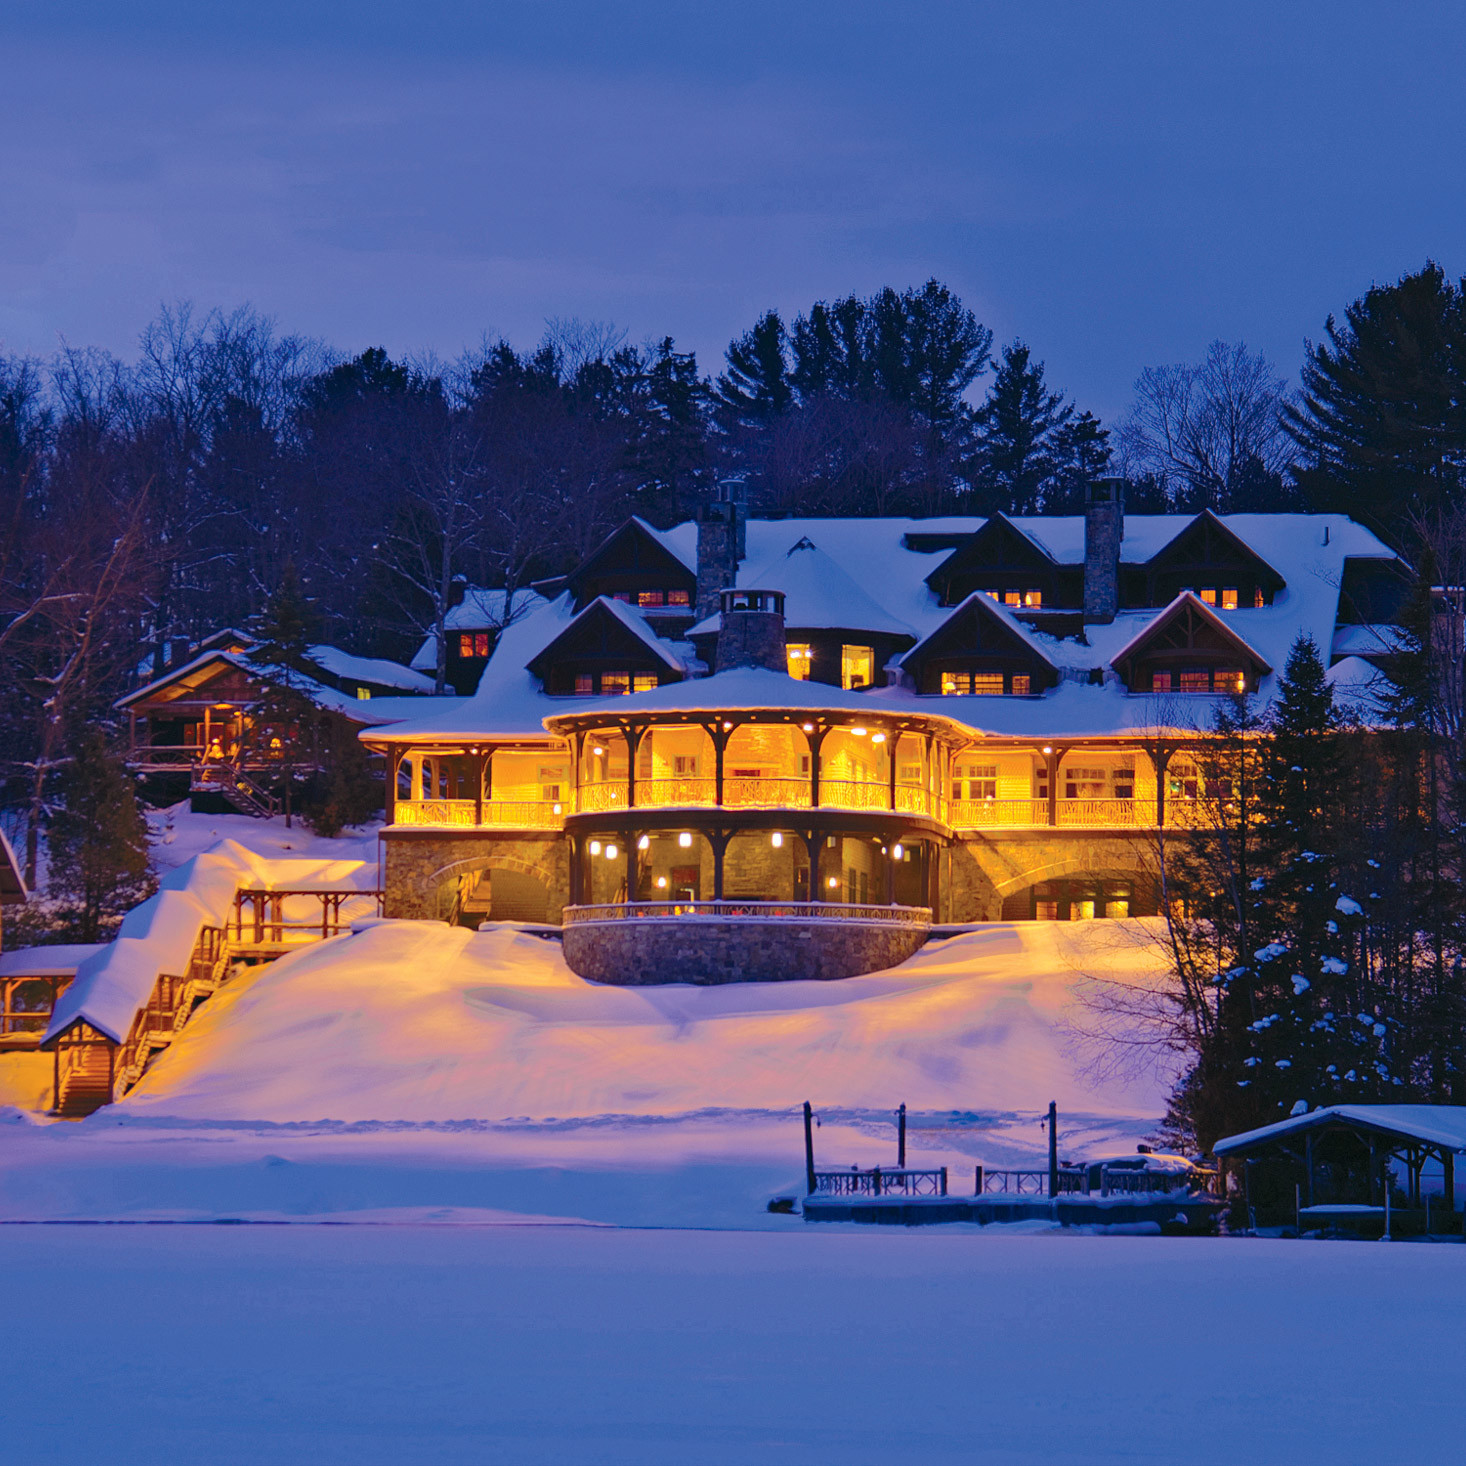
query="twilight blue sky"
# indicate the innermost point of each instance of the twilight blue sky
(1118, 183)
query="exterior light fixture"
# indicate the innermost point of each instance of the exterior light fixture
(611, 852)
(777, 840)
(898, 852)
(858, 732)
(598, 750)
(559, 809)
(727, 727)
(661, 883)
(878, 738)
(595, 847)
(645, 843)
(833, 882)
(809, 727)
(685, 840)
(1048, 748)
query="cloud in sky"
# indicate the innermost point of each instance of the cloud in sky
(1117, 184)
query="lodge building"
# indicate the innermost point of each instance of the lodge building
(869, 724)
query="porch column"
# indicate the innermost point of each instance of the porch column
(890, 876)
(630, 865)
(1160, 760)
(632, 733)
(718, 839)
(1055, 757)
(890, 747)
(480, 764)
(815, 739)
(389, 791)
(1448, 1177)
(812, 842)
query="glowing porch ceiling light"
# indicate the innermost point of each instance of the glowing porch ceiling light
(595, 847)
(858, 732)
(645, 843)
(898, 852)
(685, 840)
(661, 883)
(878, 738)
(1047, 748)
(833, 882)
(777, 840)
(809, 727)
(611, 852)
(598, 751)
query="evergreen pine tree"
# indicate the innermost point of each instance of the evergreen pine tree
(1081, 453)
(756, 388)
(1017, 427)
(97, 840)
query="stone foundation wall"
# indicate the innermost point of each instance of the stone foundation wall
(417, 865)
(706, 950)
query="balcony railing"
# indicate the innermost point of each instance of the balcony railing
(518, 814)
(980, 813)
(765, 793)
(1104, 812)
(671, 793)
(749, 911)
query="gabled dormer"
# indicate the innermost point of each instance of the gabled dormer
(1189, 648)
(980, 648)
(1208, 558)
(634, 564)
(1010, 566)
(608, 648)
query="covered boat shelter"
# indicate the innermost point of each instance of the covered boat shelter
(1331, 1167)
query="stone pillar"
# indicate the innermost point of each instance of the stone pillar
(1104, 529)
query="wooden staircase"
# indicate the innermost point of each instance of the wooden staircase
(242, 790)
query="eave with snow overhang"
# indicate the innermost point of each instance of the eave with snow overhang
(980, 648)
(1188, 648)
(606, 640)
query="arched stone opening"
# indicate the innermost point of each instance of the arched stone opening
(491, 888)
(1083, 895)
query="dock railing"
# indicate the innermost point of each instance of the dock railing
(880, 1181)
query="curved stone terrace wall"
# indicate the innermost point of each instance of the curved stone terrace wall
(710, 942)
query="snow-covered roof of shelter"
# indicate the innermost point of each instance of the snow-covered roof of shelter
(12, 883)
(819, 594)
(1438, 1125)
(1369, 641)
(58, 961)
(377, 670)
(160, 935)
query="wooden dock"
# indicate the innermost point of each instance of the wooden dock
(1175, 1215)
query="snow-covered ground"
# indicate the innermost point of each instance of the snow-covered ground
(564, 1346)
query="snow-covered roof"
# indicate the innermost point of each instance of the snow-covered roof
(1040, 647)
(875, 557)
(1195, 603)
(1438, 1125)
(481, 609)
(375, 670)
(58, 961)
(818, 594)
(636, 624)
(1369, 641)
(160, 935)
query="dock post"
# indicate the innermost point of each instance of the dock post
(978, 1182)
(1053, 1149)
(901, 1136)
(808, 1150)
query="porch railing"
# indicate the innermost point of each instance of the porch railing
(748, 910)
(770, 792)
(260, 917)
(534, 814)
(880, 1182)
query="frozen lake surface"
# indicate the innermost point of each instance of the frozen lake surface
(217, 1345)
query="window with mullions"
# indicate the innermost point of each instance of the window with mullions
(473, 644)
(975, 781)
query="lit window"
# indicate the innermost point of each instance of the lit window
(1160, 681)
(584, 685)
(800, 657)
(956, 684)
(1084, 783)
(975, 781)
(615, 684)
(1117, 906)
(857, 666)
(1209, 594)
(1033, 598)
(1125, 782)
(1195, 679)
(644, 682)
(1229, 598)
(679, 598)
(649, 598)
(1045, 910)
(473, 644)
(363, 694)
(990, 684)
(1230, 679)
(1257, 601)
(622, 595)
(1081, 910)
(1020, 684)
(1012, 598)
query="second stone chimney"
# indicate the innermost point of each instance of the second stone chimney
(751, 630)
(1104, 528)
(721, 531)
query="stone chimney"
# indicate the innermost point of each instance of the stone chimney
(751, 632)
(1104, 528)
(721, 544)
